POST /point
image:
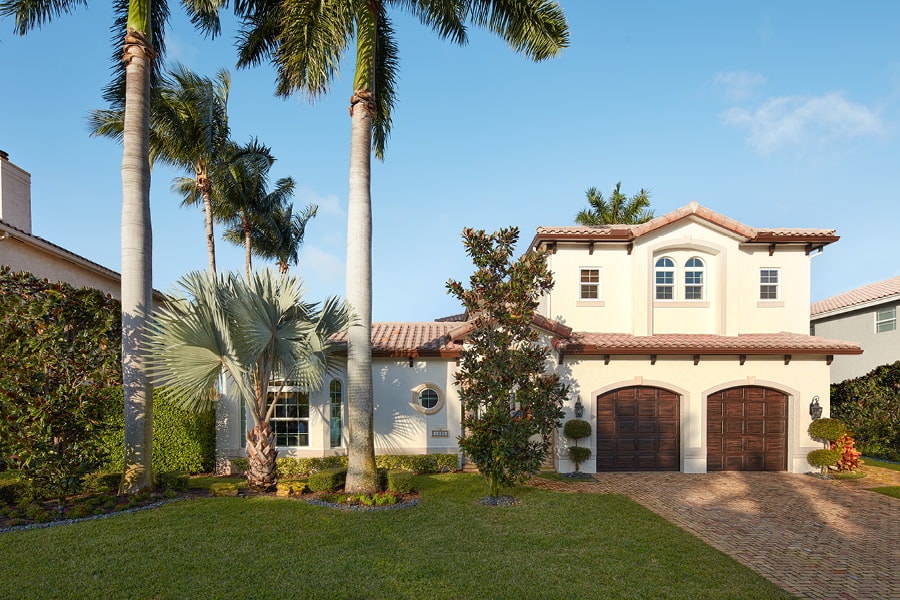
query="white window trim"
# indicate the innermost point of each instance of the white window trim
(674, 285)
(777, 285)
(418, 406)
(275, 388)
(343, 412)
(885, 321)
(702, 285)
(599, 285)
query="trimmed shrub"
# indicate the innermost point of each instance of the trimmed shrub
(223, 489)
(577, 429)
(102, 482)
(870, 406)
(579, 455)
(289, 487)
(399, 481)
(327, 480)
(177, 481)
(827, 430)
(823, 458)
(294, 468)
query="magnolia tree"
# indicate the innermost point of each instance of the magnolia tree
(511, 404)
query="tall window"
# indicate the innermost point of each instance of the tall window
(886, 319)
(590, 284)
(290, 420)
(768, 284)
(665, 279)
(335, 394)
(693, 279)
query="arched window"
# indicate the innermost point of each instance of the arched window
(694, 270)
(665, 279)
(336, 410)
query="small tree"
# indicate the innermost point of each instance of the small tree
(511, 405)
(576, 429)
(826, 431)
(60, 381)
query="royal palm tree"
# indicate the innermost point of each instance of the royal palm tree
(305, 41)
(253, 332)
(188, 129)
(281, 235)
(138, 33)
(242, 196)
(618, 209)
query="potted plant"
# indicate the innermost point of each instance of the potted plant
(576, 429)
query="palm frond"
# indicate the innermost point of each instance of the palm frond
(32, 14)
(536, 28)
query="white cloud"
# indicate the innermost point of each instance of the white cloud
(321, 268)
(797, 120)
(328, 204)
(739, 84)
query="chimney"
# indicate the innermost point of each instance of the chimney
(15, 194)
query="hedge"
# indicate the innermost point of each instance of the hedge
(870, 406)
(295, 468)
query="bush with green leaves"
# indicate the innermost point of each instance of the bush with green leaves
(870, 406)
(511, 400)
(327, 480)
(824, 458)
(399, 481)
(61, 378)
(176, 481)
(101, 482)
(577, 429)
(827, 430)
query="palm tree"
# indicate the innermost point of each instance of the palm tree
(618, 209)
(139, 29)
(243, 200)
(188, 129)
(305, 41)
(281, 237)
(253, 332)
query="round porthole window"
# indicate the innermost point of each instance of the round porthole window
(428, 399)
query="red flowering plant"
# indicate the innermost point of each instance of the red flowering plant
(850, 456)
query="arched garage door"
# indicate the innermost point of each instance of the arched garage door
(746, 430)
(637, 430)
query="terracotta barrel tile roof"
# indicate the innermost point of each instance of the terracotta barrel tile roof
(873, 292)
(410, 339)
(751, 343)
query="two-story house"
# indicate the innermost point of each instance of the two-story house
(867, 316)
(685, 341)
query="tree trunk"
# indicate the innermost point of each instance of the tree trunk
(261, 455)
(210, 234)
(361, 474)
(137, 284)
(247, 247)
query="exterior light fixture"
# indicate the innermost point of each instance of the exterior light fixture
(815, 411)
(579, 408)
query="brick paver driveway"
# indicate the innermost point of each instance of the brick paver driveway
(814, 538)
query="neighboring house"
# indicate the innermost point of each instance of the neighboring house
(867, 316)
(23, 251)
(685, 341)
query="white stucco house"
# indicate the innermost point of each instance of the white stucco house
(685, 341)
(866, 315)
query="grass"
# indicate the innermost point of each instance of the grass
(874, 462)
(551, 545)
(892, 491)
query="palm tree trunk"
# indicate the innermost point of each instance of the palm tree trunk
(137, 284)
(361, 474)
(261, 454)
(247, 247)
(210, 234)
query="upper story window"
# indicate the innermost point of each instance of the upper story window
(886, 319)
(665, 279)
(769, 283)
(590, 284)
(336, 409)
(290, 419)
(694, 270)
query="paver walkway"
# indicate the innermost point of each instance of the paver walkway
(814, 538)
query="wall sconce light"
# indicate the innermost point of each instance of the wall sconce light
(579, 408)
(815, 411)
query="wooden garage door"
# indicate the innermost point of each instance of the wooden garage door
(637, 430)
(746, 430)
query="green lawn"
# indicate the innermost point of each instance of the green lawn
(893, 491)
(874, 462)
(551, 545)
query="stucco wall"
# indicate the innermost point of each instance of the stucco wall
(859, 326)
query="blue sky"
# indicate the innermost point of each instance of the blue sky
(776, 114)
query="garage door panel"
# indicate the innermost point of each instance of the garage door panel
(747, 429)
(640, 427)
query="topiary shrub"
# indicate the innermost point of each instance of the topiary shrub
(289, 487)
(827, 430)
(579, 455)
(399, 481)
(223, 489)
(327, 480)
(577, 429)
(823, 458)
